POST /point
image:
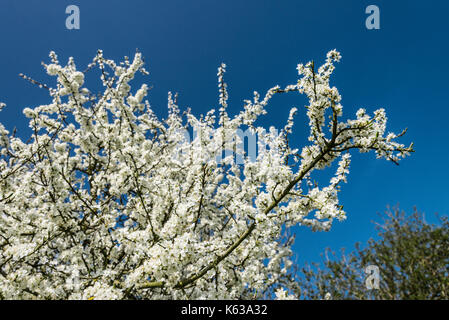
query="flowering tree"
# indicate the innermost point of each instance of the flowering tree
(192, 223)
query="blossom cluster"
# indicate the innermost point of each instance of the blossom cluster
(107, 201)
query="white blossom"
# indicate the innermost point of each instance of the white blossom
(106, 201)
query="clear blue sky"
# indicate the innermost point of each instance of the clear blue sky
(402, 67)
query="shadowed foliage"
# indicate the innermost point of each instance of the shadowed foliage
(412, 256)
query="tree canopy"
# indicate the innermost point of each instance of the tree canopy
(412, 257)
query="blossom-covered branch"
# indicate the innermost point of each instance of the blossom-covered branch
(107, 201)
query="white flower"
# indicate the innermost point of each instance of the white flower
(53, 69)
(282, 294)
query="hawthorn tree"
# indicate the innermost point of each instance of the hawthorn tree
(412, 257)
(194, 224)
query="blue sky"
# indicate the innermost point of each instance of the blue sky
(402, 67)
